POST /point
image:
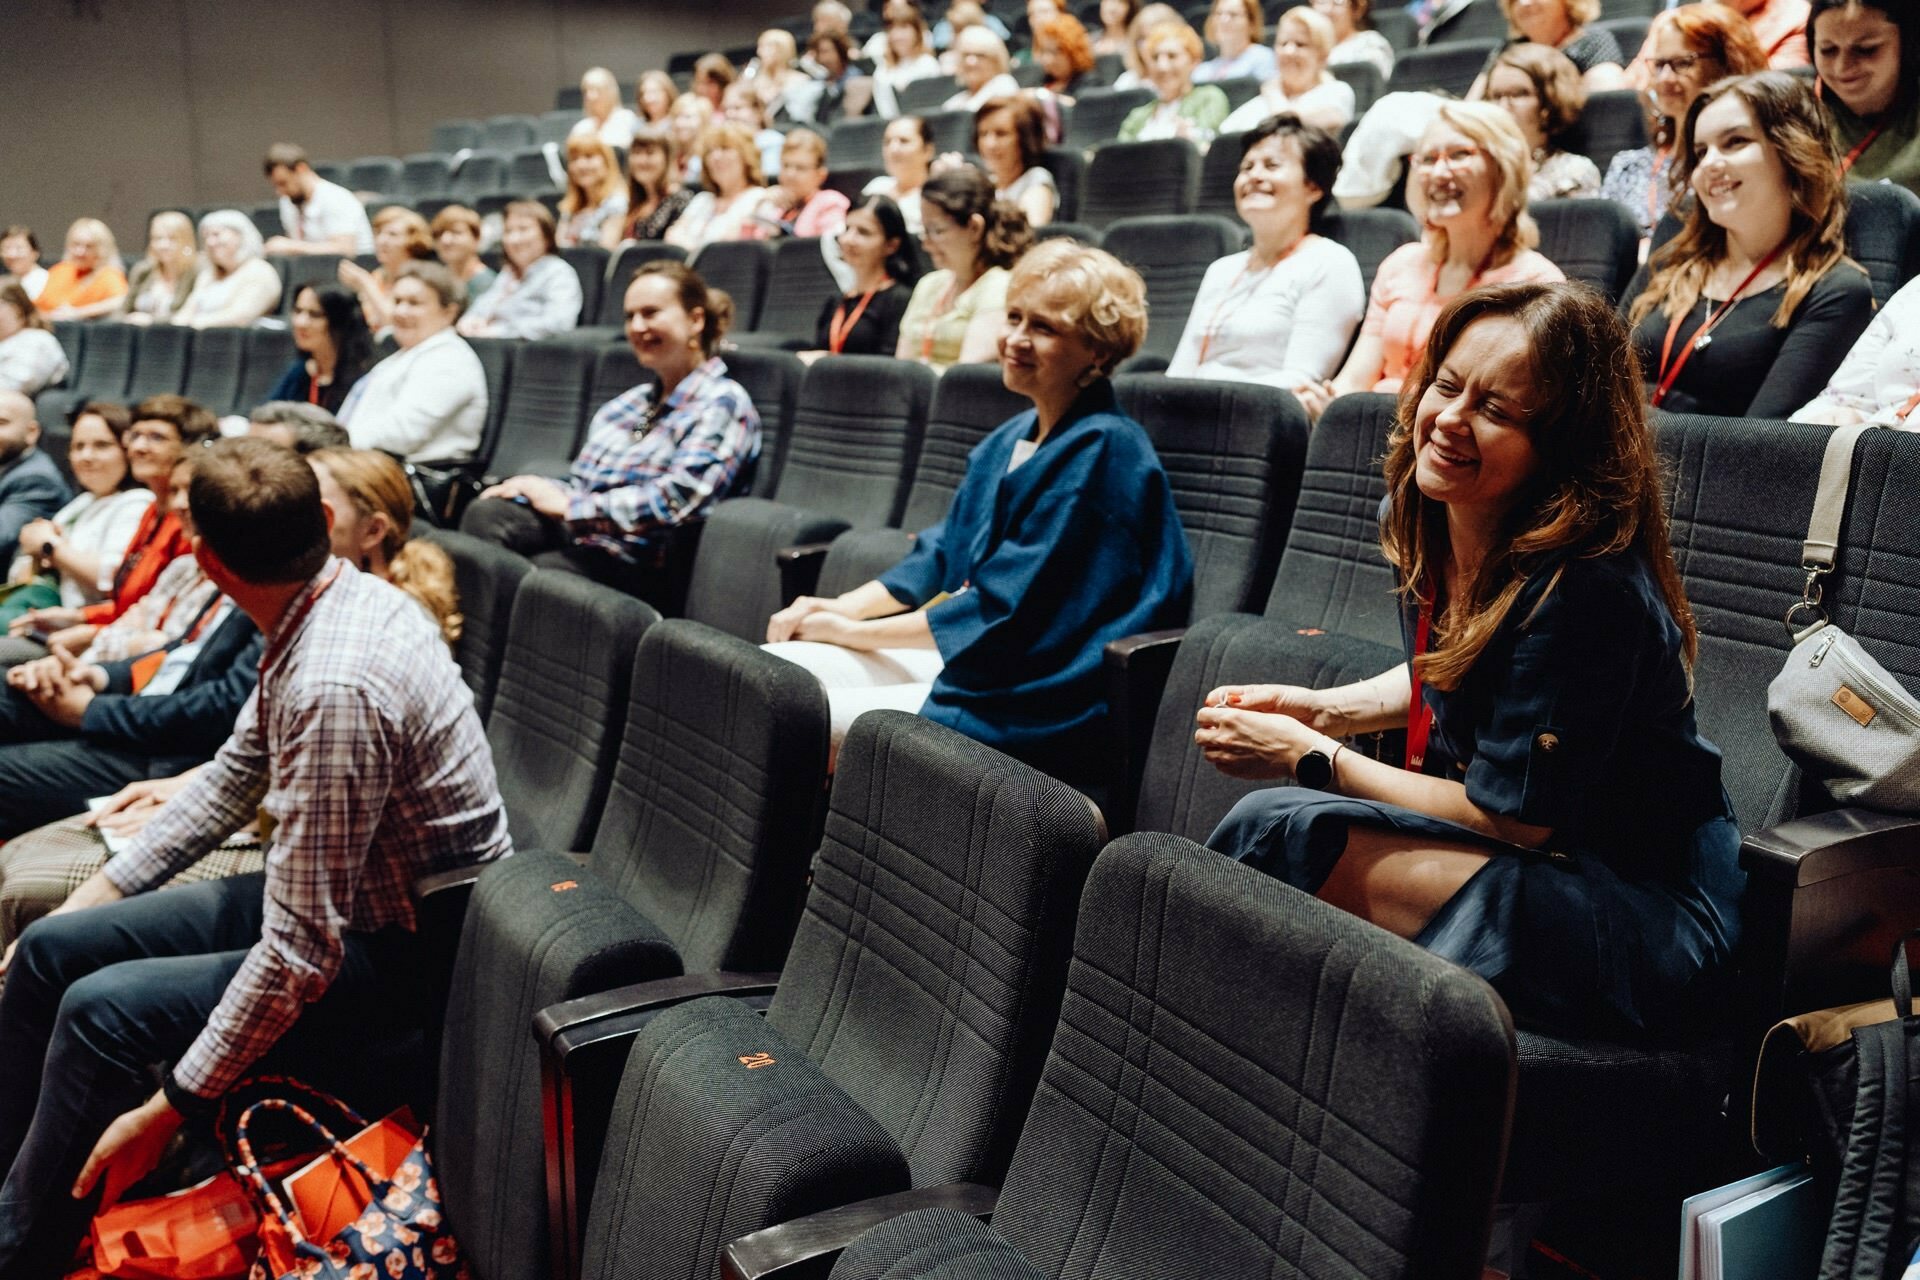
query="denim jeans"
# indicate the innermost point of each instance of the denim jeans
(96, 999)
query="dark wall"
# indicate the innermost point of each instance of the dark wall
(114, 107)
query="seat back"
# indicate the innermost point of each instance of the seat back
(266, 219)
(555, 125)
(1611, 123)
(1139, 179)
(797, 285)
(559, 706)
(504, 133)
(856, 432)
(546, 398)
(856, 142)
(1217, 172)
(527, 172)
(496, 361)
(928, 966)
(1596, 241)
(108, 367)
(1629, 26)
(615, 372)
(488, 578)
(1364, 79)
(1448, 67)
(951, 131)
(589, 262)
(1479, 20)
(1399, 26)
(1184, 1116)
(1233, 453)
(1069, 231)
(213, 375)
(740, 267)
(1172, 255)
(629, 259)
(425, 174)
(269, 352)
(377, 174)
(300, 270)
(1883, 234)
(159, 360)
(772, 381)
(456, 135)
(1069, 169)
(1370, 235)
(1097, 114)
(918, 97)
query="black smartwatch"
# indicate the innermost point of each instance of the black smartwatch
(1315, 770)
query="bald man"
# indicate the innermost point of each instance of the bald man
(30, 484)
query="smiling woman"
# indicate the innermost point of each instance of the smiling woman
(1869, 77)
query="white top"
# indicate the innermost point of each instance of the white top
(1329, 105)
(33, 282)
(888, 81)
(1376, 153)
(330, 211)
(1365, 46)
(1286, 326)
(1001, 86)
(427, 403)
(1255, 61)
(705, 222)
(249, 292)
(31, 361)
(889, 186)
(1882, 372)
(617, 131)
(99, 526)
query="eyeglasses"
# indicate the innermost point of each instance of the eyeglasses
(1680, 66)
(1452, 157)
(136, 436)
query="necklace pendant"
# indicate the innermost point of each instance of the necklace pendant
(1702, 342)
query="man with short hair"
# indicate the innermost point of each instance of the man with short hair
(316, 216)
(361, 753)
(299, 426)
(31, 486)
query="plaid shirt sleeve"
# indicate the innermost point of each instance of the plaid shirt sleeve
(223, 797)
(321, 850)
(671, 474)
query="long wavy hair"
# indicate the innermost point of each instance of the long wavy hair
(1596, 491)
(1789, 120)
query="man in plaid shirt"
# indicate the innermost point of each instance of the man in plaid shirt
(361, 748)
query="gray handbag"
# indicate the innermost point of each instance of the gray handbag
(1836, 712)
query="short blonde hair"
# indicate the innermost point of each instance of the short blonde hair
(1178, 32)
(783, 41)
(1110, 299)
(989, 42)
(1256, 20)
(1494, 131)
(455, 215)
(724, 136)
(103, 235)
(810, 142)
(1318, 29)
(604, 79)
(1579, 13)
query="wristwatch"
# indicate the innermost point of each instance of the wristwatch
(1315, 770)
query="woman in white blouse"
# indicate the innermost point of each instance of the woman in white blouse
(906, 149)
(905, 55)
(427, 402)
(537, 293)
(605, 118)
(20, 258)
(734, 186)
(31, 358)
(82, 543)
(237, 285)
(161, 282)
(1879, 381)
(1354, 39)
(1302, 42)
(1284, 312)
(982, 68)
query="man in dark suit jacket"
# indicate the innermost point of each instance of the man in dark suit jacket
(31, 486)
(107, 725)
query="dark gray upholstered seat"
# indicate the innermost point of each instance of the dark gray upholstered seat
(269, 352)
(848, 464)
(488, 578)
(1245, 1082)
(699, 865)
(300, 270)
(378, 174)
(555, 722)
(589, 263)
(504, 132)
(616, 371)
(772, 381)
(1218, 168)
(555, 125)
(1883, 234)
(1172, 255)
(918, 97)
(629, 259)
(425, 173)
(797, 285)
(160, 354)
(924, 981)
(969, 402)
(457, 135)
(1370, 235)
(1447, 67)
(104, 378)
(1069, 231)
(856, 141)
(1595, 241)
(1479, 21)
(1139, 179)
(740, 267)
(213, 375)
(489, 172)
(1069, 169)
(1610, 123)
(1097, 114)
(950, 130)
(496, 361)
(526, 173)
(546, 409)
(1366, 81)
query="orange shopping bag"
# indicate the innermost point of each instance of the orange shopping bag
(209, 1231)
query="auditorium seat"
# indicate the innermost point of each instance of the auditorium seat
(919, 97)
(616, 371)
(906, 1031)
(554, 126)
(102, 373)
(1097, 114)
(527, 173)
(1240, 90)
(379, 175)
(269, 352)
(299, 270)
(213, 374)
(1399, 26)
(950, 131)
(484, 173)
(1172, 255)
(850, 180)
(541, 425)
(1448, 67)
(699, 866)
(1611, 123)
(1478, 22)
(1140, 179)
(425, 174)
(741, 268)
(488, 577)
(1069, 231)
(589, 262)
(848, 464)
(266, 219)
(1883, 234)
(772, 381)
(1595, 241)
(1370, 235)
(798, 284)
(628, 259)
(506, 132)
(496, 361)
(1628, 27)
(1218, 168)
(1365, 80)
(450, 136)
(855, 142)
(160, 354)
(1068, 165)
(1229, 1051)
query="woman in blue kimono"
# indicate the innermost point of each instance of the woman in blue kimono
(1063, 536)
(1561, 828)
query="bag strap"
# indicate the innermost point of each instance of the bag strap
(248, 1169)
(1822, 545)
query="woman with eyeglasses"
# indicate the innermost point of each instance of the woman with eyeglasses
(1541, 89)
(1469, 187)
(1354, 39)
(958, 310)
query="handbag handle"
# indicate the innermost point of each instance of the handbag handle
(223, 1120)
(1822, 545)
(248, 1168)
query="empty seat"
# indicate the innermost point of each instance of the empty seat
(1370, 235)
(1182, 1115)
(771, 380)
(213, 374)
(1172, 255)
(528, 173)
(855, 142)
(555, 125)
(1364, 79)
(740, 267)
(627, 260)
(911, 1019)
(1611, 123)
(160, 354)
(1097, 114)
(379, 175)
(506, 132)
(1447, 68)
(798, 285)
(554, 728)
(450, 136)
(699, 865)
(1140, 179)
(545, 412)
(919, 97)
(269, 352)
(481, 173)
(1592, 240)
(266, 219)
(589, 262)
(847, 464)
(1068, 166)
(488, 577)
(87, 379)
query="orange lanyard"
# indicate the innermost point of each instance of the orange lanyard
(1859, 148)
(1913, 402)
(837, 331)
(1419, 714)
(1213, 321)
(1669, 367)
(940, 308)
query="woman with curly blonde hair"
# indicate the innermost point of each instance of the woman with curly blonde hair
(1751, 307)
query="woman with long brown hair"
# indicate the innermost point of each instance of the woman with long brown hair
(1751, 307)
(1560, 827)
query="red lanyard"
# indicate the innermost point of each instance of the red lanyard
(1669, 367)
(1846, 164)
(1213, 322)
(837, 331)
(1419, 714)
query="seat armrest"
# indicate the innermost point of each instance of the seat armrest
(807, 1247)
(583, 1050)
(1135, 671)
(800, 568)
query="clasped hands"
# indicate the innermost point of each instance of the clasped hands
(1262, 730)
(60, 685)
(810, 618)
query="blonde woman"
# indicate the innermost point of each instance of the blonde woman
(161, 282)
(605, 118)
(655, 195)
(905, 55)
(237, 284)
(1238, 30)
(734, 184)
(1565, 25)
(774, 77)
(689, 119)
(982, 68)
(1302, 42)
(88, 282)
(400, 236)
(596, 200)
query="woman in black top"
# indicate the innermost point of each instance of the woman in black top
(335, 348)
(1749, 309)
(655, 196)
(865, 321)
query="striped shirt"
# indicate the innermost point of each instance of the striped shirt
(638, 474)
(362, 745)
